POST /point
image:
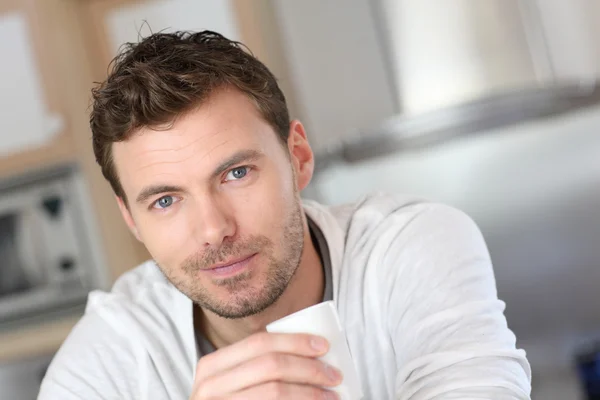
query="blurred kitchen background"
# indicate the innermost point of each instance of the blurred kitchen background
(487, 105)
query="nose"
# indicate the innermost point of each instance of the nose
(215, 223)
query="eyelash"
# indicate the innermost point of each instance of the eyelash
(248, 170)
(153, 205)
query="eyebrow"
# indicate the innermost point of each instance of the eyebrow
(151, 191)
(239, 157)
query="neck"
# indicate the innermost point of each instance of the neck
(304, 290)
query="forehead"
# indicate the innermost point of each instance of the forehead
(197, 142)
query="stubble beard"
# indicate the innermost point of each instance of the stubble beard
(245, 297)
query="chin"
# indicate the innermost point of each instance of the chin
(244, 302)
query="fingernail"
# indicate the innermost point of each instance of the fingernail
(328, 395)
(319, 344)
(333, 374)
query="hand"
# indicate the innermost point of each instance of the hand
(267, 366)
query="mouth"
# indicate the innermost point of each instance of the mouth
(231, 267)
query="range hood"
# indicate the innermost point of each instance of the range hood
(410, 132)
(460, 67)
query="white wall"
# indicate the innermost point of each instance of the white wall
(570, 29)
(126, 23)
(337, 66)
(23, 108)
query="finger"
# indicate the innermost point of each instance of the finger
(272, 367)
(257, 345)
(282, 390)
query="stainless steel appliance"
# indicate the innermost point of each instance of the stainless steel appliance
(49, 256)
(21, 379)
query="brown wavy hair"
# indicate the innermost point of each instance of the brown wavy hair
(165, 75)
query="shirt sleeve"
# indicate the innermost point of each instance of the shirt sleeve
(94, 363)
(449, 333)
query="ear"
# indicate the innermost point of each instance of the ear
(301, 154)
(128, 218)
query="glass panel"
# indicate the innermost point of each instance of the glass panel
(12, 274)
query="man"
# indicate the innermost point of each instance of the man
(194, 136)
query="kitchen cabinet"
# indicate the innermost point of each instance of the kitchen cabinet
(45, 39)
(34, 128)
(65, 46)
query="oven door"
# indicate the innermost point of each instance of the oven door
(20, 256)
(31, 284)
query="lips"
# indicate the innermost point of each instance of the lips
(230, 263)
(230, 268)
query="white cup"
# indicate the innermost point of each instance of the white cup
(323, 320)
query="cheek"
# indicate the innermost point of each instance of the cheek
(169, 239)
(262, 209)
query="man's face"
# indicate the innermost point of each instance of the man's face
(215, 200)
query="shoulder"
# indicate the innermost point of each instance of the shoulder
(142, 290)
(107, 322)
(382, 217)
(399, 238)
(130, 286)
(141, 316)
(141, 304)
(415, 248)
(94, 355)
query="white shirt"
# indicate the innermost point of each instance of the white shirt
(414, 287)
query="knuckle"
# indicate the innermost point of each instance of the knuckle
(202, 393)
(206, 390)
(205, 361)
(276, 390)
(317, 371)
(315, 393)
(200, 363)
(274, 364)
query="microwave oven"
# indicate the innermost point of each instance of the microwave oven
(49, 250)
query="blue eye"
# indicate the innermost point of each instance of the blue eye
(164, 202)
(237, 173)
